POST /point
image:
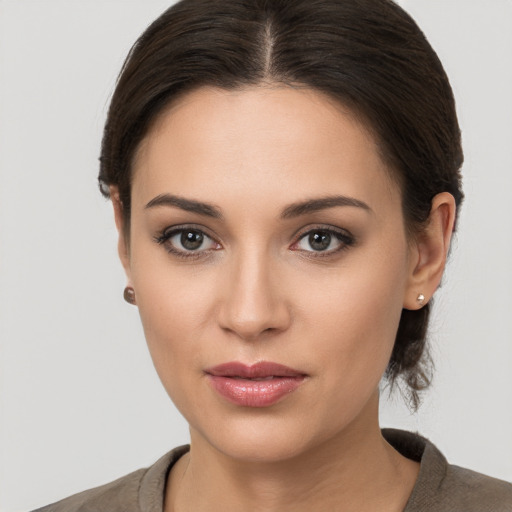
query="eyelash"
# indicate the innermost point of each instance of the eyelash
(345, 238)
(169, 233)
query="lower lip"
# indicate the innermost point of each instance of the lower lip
(255, 393)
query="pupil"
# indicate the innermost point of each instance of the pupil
(319, 241)
(191, 240)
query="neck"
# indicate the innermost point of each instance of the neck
(356, 470)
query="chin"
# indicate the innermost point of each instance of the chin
(262, 439)
(260, 449)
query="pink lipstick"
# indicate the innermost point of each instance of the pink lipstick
(259, 385)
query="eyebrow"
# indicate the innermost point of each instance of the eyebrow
(322, 203)
(291, 211)
(189, 205)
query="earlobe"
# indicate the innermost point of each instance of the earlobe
(122, 244)
(428, 257)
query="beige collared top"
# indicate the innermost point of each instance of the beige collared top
(440, 487)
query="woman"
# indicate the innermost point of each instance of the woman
(285, 181)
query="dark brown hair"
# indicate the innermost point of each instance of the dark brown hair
(369, 55)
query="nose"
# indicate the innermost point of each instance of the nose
(254, 303)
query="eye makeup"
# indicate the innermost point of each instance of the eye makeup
(187, 241)
(193, 242)
(323, 241)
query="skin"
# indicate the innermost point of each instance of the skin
(257, 290)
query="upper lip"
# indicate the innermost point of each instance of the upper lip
(255, 371)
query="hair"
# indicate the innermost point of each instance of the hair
(368, 55)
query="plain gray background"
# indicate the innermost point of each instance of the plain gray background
(80, 403)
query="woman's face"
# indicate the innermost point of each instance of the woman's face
(265, 228)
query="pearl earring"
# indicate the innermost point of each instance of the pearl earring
(421, 299)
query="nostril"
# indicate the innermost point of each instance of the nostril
(250, 331)
(251, 306)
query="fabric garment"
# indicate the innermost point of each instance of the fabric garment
(440, 487)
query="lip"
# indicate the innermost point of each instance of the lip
(259, 385)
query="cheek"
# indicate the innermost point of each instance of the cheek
(170, 296)
(354, 315)
(174, 305)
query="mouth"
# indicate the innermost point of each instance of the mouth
(259, 385)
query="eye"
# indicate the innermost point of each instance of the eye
(323, 240)
(186, 241)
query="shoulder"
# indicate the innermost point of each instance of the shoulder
(119, 493)
(141, 490)
(472, 491)
(443, 487)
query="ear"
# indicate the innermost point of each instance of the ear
(429, 252)
(123, 248)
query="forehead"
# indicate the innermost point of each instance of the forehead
(257, 141)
